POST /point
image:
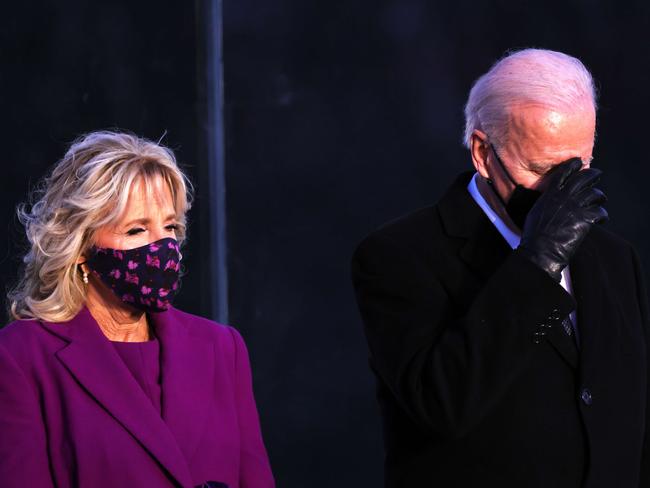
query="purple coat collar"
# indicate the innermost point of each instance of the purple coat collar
(93, 361)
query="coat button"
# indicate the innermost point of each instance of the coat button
(586, 397)
(537, 336)
(554, 316)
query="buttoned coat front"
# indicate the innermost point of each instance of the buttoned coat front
(72, 415)
(478, 383)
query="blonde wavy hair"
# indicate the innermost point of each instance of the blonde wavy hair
(87, 189)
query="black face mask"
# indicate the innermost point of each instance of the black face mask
(521, 200)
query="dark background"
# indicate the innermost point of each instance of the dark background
(339, 116)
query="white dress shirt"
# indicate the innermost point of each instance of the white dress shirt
(513, 239)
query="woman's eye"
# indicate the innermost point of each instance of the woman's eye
(138, 230)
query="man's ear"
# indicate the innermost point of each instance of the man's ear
(480, 149)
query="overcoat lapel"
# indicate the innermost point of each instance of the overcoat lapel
(483, 252)
(186, 367)
(595, 303)
(187, 379)
(484, 249)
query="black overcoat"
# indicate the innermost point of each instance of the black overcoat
(469, 397)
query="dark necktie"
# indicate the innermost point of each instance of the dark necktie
(567, 325)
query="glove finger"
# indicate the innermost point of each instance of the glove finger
(590, 197)
(559, 174)
(596, 215)
(586, 178)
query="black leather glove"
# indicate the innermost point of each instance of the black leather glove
(562, 216)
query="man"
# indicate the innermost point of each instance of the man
(507, 328)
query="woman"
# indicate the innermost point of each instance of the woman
(102, 382)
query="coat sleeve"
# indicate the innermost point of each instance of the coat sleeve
(447, 370)
(23, 453)
(644, 309)
(255, 469)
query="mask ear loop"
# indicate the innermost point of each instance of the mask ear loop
(503, 168)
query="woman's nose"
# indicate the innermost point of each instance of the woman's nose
(162, 232)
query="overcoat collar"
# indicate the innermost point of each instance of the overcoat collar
(187, 369)
(483, 249)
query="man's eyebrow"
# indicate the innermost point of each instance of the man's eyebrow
(540, 167)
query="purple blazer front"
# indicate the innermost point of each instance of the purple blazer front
(72, 415)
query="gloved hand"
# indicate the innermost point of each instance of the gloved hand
(562, 216)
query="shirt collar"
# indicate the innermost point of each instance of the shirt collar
(511, 237)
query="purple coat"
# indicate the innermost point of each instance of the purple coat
(71, 413)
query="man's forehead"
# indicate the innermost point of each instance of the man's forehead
(537, 121)
(543, 137)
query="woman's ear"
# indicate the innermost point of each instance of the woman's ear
(81, 262)
(480, 149)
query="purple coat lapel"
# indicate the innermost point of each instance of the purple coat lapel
(93, 361)
(193, 371)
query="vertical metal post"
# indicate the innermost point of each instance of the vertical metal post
(209, 16)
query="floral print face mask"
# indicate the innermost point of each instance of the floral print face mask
(146, 277)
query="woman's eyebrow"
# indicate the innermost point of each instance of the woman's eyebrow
(136, 221)
(145, 220)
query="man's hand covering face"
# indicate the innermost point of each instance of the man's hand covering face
(561, 218)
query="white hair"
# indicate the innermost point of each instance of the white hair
(530, 76)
